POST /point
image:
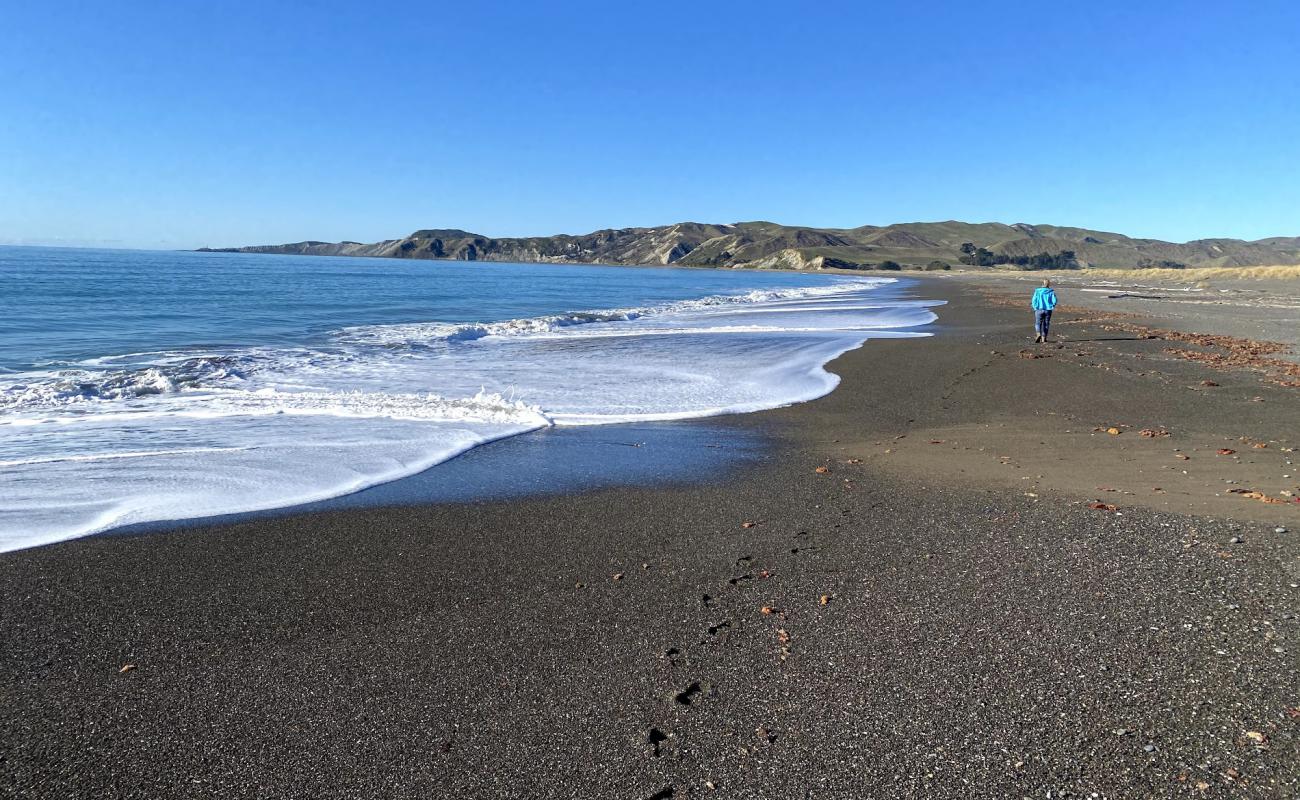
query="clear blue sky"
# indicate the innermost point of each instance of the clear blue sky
(187, 123)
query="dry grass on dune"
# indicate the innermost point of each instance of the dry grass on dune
(1194, 275)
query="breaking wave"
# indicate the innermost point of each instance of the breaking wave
(424, 333)
(172, 434)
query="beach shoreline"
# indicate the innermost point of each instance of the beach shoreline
(281, 400)
(911, 595)
(548, 462)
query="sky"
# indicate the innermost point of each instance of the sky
(183, 124)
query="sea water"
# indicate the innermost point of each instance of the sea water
(138, 386)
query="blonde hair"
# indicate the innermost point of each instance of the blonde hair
(1046, 282)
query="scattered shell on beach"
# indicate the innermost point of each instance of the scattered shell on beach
(748, 524)
(824, 599)
(823, 470)
(1226, 451)
(618, 576)
(1114, 431)
(768, 610)
(1251, 494)
(126, 668)
(1102, 506)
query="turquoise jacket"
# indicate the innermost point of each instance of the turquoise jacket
(1044, 299)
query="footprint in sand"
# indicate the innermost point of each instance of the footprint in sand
(688, 695)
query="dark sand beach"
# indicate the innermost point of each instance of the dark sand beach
(946, 579)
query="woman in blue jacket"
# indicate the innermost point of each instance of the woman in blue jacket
(1044, 301)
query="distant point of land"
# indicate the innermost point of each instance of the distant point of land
(767, 245)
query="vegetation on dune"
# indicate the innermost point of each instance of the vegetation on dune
(1196, 275)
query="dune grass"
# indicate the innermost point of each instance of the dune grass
(1193, 275)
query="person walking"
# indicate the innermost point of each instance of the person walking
(1044, 300)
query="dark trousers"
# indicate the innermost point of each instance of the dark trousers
(1042, 321)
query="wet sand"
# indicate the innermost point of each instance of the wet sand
(913, 596)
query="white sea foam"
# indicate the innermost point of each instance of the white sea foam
(160, 435)
(423, 333)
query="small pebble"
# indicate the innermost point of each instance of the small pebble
(1235, 540)
(1279, 530)
(1149, 747)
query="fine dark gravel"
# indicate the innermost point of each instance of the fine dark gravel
(770, 632)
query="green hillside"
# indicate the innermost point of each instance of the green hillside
(762, 244)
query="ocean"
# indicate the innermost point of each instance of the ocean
(140, 386)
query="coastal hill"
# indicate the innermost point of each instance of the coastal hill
(767, 245)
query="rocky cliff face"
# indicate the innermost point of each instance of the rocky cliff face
(793, 258)
(767, 245)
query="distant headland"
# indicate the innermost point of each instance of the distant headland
(767, 245)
